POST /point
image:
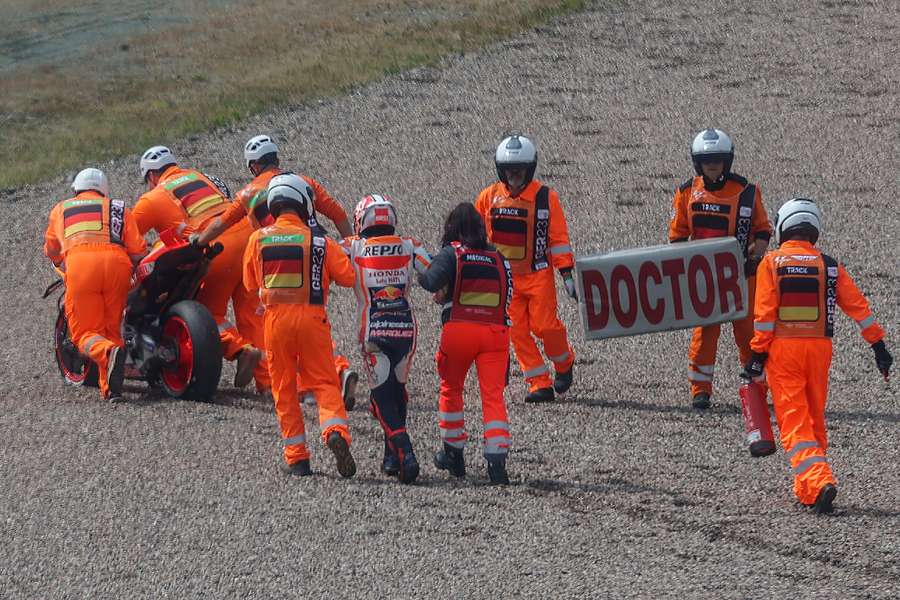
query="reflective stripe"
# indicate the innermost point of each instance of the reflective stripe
(764, 325)
(707, 369)
(560, 249)
(452, 432)
(807, 463)
(560, 358)
(292, 441)
(91, 341)
(446, 305)
(497, 425)
(492, 446)
(181, 227)
(225, 326)
(541, 370)
(800, 446)
(867, 322)
(334, 421)
(456, 444)
(454, 416)
(695, 376)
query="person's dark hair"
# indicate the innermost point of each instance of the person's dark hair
(267, 160)
(466, 226)
(804, 232)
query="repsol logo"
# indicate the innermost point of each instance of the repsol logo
(383, 250)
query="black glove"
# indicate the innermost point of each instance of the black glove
(751, 264)
(883, 358)
(754, 367)
(569, 281)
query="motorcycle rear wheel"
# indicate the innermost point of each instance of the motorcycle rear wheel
(75, 368)
(191, 332)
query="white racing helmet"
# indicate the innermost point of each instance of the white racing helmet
(289, 190)
(91, 179)
(257, 147)
(798, 213)
(516, 152)
(711, 145)
(155, 158)
(374, 210)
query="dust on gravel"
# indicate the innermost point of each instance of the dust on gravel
(621, 490)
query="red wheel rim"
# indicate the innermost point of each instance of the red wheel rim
(62, 335)
(178, 376)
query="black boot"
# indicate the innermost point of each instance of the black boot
(390, 465)
(701, 400)
(298, 469)
(825, 499)
(563, 381)
(341, 449)
(540, 395)
(496, 465)
(451, 459)
(409, 467)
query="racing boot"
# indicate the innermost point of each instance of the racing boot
(701, 400)
(496, 466)
(409, 467)
(825, 499)
(247, 359)
(563, 381)
(540, 395)
(115, 374)
(349, 379)
(451, 459)
(390, 465)
(297, 469)
(346, 466)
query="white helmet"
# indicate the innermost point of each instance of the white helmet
(155, 158)
(516, 152)
(798, 213)
(374, 210)
(91, 179)
(712, 145)
(289, 190)
(257, 147)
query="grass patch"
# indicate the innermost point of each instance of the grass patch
(205, 64)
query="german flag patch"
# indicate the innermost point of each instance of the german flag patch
(82, 215)
(282, 261)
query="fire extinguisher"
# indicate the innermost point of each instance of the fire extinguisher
(757, 421)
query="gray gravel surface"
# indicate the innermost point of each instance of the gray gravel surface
(620, 490)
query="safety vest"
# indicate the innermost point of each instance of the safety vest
(200, 198)
(254, 199)
(293, 263)
(481, 291)
(91, 220)
(519, 226)
(713, 216)
(806, 285)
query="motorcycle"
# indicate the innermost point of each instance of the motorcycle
(171, 340)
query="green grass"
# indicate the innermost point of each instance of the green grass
(219, 65)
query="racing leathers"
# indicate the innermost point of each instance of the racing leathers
(384, 263)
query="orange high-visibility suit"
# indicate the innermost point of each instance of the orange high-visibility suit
(97, 259)
(188, 201)
(530, 231)
(796, 292)
(475, 329)
(251, 202)
(733, 208)
(292, 268)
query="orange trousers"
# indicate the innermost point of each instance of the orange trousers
(797, 372)
(488, 347)
(705, 340)
(295, 336)
(532, 310)
(224, 282)
(340, 365)
(97, 282)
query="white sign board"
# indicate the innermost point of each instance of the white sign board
(661, 288)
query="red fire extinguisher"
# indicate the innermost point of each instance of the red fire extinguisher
(757, 421)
